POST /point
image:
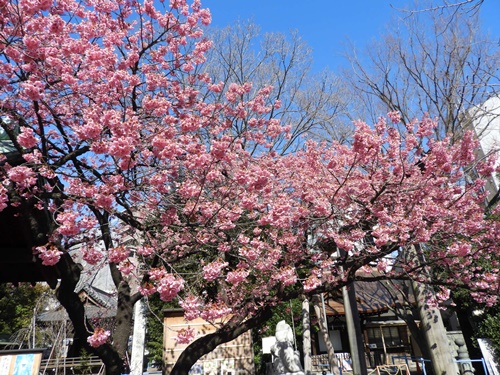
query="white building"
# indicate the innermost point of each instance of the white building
(486, 125)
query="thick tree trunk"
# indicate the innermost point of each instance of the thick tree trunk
(42, 225)
(123, 319)
(435, 333)
(208, 343)
(70, 274)
(431, 322)
(417, 334)
(113, 356)
(332, 359)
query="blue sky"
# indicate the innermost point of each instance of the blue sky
(326, 24)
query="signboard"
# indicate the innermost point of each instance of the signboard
(20, 363)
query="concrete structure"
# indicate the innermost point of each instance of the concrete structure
(138, 339)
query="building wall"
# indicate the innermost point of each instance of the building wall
(232, 358)
(487, 129)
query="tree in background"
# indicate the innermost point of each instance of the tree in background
(311, 103)
(183, 185)
(489, 327)
(436, 62)
(17, 308)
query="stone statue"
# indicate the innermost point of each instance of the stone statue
(286, 361)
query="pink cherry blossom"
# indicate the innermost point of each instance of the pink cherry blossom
(118, 254)
(311, 283)
(191, 306)
(169, 287)
(215, 311)
(237, 276)
(23, 176)
(99, 337)
(50, 256)
(27, 138)
(147, 289)
(126, 267)
(92, 255)
(128, 143)
(213, 270)
(185, 335)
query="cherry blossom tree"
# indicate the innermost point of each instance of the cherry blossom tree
(116, 149)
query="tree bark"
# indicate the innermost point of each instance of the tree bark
(435, 333)
(70, 274)
(123, 319)
(431, 323)
(208, 343)
(332, 359)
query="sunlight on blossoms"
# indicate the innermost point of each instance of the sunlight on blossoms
(311, 283)
(91, 255)
(212, 270)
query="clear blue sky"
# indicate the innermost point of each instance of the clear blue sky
(326, 24)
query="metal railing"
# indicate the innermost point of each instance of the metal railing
(93, 365)
(422, 362)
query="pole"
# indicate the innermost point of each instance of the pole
(34, 328)
(138, 340)
(293, 327)
(324, 311)
(332, 358)
(306, 336)
(354, 330)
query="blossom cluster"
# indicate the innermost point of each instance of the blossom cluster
(191, 306)
(185, 335)
(50, 256)
(118, 254)
(99, 337)
(213, 270)
(169, 286)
